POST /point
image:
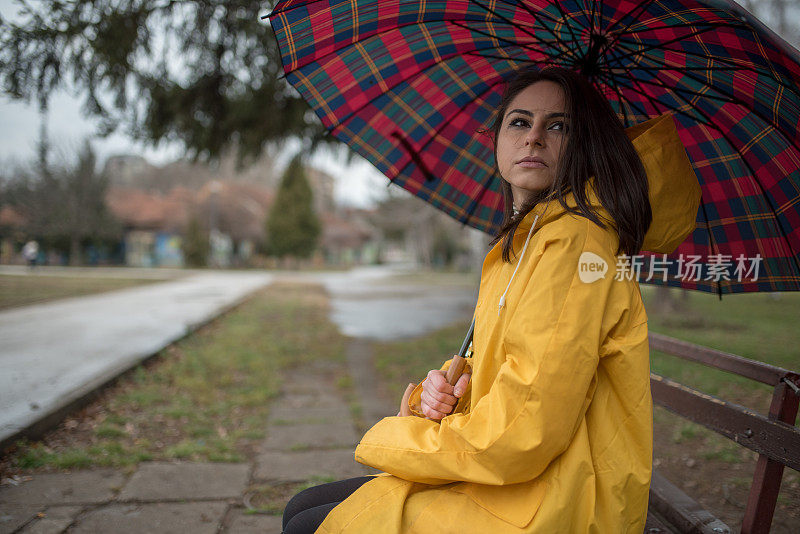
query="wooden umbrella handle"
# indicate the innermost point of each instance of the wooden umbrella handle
(455, 370)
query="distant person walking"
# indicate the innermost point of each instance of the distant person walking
(31, 252)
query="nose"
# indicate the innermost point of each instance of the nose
(535, 136)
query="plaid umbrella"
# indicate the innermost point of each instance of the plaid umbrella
(411, 86)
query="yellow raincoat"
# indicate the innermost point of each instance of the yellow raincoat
(555, 433)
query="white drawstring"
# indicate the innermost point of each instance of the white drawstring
(519, 261)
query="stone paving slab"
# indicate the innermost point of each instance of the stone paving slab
(78, 487)
(299, 401)
(288, 466)
(284, 415)
(243, 523)
(53, 521)
(176, 481)
(177, 518)
(13, 516)
(296, 437)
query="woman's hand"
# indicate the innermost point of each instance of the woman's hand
(438, 397)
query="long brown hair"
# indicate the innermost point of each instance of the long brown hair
(596, 145)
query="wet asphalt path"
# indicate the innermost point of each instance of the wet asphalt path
(54, 353)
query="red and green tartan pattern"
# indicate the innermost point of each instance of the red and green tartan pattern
(412, 87)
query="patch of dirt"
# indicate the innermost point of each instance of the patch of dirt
(718, 475)
(270, 499)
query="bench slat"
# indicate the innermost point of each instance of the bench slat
(680, 510)
(759, 371)
(655, 524)
(776, 440)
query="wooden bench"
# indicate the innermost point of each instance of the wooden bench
(774, 438)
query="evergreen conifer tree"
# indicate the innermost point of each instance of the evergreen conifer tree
(292, 226)
(195, 245)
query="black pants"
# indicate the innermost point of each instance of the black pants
(306, 511)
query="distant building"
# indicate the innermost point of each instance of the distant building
(127, 170)
(153, 224)
(348, 239)
(230, 203)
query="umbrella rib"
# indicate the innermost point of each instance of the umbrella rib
(733, 65)
(591, 17)
(724, 98)
(662, 45)
(642, 4)
(610, 81)
(345, 44)
(275, 12)
(677, 68)
(525, 59)
(713, 23)
(711, 242)
(618, 37)
(622, 101)
(529, 11)
(643, 93)
(721, 59)
(553, 58)
(534, 36)
(514, 43)
(754, 176)
(670, 67)
(536, 17)
(429, 177)
(575, 39)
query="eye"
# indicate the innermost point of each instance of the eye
(559, 125)
(519, 122)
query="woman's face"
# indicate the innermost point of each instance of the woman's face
(534, 128)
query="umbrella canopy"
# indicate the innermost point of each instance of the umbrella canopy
(411, 86)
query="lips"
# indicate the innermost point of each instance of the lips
(532, 161)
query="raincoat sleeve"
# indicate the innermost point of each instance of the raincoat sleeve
(538, 398)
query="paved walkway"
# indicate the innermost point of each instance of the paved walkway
(92, 339)
(310, 432)
(310, 435)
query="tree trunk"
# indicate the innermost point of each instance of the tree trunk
(74, 251)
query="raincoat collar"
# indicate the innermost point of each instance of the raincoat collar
(673, 189)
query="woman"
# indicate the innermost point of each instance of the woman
(553, 431)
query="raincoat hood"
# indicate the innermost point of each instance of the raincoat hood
(673, 189)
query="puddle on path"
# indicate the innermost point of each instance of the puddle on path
(384, 303)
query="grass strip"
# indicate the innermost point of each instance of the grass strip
(205, 398)
(16, 291)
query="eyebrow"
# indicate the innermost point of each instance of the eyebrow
(529, 114)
